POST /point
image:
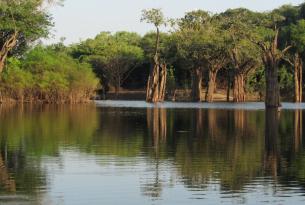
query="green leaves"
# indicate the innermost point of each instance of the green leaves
(153, 16)
(55, 75)
(110, 55)
(298, 35)
(25, 16)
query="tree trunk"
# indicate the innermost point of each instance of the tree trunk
(211, 86)
(8, 45)
(239, 88)
(298, 65)
(156, 85)
(197, 85)
(228, 87)
(272, 86)
(163, 76)
(117, 90)
(152, 92)
(271, 57)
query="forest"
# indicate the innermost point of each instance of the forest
(239, 51)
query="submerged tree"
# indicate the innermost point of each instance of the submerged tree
(192, 42)
(244, 55)
(266, 36)
(297, 32)
(156, 84)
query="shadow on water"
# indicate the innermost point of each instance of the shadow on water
(204, 150)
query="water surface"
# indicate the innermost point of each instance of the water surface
(145, 154)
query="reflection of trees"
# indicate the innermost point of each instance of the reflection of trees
(38, 131)
(5, 178)
(298, 130)
(157, 131)
(118, 133)
(229, 148)
(157, 125)
(271, 141)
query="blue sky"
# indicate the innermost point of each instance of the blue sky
(81, 19)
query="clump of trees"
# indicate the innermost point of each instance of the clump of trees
(47, 75)
(113, 57)
(240, 50)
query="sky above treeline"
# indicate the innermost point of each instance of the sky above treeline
(81, 19)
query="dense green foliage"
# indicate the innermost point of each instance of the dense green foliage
(112, 56)
(44, 74)
(28, 73)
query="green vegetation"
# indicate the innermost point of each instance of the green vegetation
(250, 53)
(46, 74)
(49, 76)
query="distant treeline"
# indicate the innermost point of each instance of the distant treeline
(238, 50)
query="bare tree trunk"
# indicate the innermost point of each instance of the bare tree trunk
(298, 69)
(152, 92)
(272, 86)
(156, 86)
(163, 76)
(8, 45)
(239, 88)
(197, 85)
(211, 86)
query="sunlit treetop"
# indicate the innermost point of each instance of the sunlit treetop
(153, 16)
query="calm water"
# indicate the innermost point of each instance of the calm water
(170, 154)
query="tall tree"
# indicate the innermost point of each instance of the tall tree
(156, 84)
(272, 54)
(297, 33)
(244, 55)
(193, 36)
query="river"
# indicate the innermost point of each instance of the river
(131, 152)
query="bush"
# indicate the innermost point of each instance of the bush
(48, 76)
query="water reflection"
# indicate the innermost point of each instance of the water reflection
(165, 155)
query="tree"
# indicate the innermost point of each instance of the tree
(22, 22)
(267, 39)
(244, 55)
(193, 35)
(156, 84)
(112, 56)
(297, 33)
(217, 58)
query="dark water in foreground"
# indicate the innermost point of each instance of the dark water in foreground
(105, 155)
